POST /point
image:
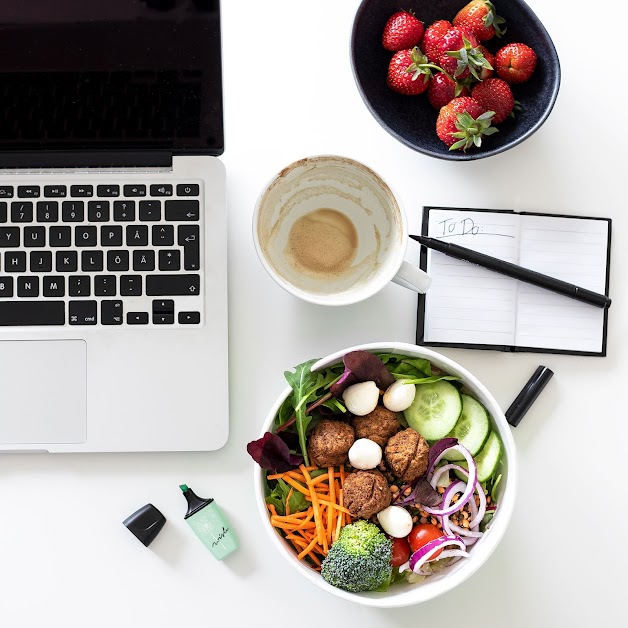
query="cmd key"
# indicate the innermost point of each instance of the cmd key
(172, 285)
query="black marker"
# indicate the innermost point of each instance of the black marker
(514, 271)
(528, 395)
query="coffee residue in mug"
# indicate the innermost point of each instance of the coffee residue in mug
(322, 243)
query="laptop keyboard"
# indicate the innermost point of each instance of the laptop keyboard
(113, 255)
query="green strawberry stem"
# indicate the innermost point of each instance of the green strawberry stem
(435, 67)
(494, 20)
(471, 130)
(420, 65)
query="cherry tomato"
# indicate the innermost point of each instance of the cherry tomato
(422, 534)
(400, 552)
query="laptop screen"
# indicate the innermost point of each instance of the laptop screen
(110, 75)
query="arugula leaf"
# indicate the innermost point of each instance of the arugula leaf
(286, 410)
(403, 365)
(432, 379)
(334, 405)
(279, 494)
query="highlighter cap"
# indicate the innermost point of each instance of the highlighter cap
(145, 523)
(195, 503)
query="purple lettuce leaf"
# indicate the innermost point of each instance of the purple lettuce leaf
(271, 453)
(438, 448)
(363, 366)
(422, 493)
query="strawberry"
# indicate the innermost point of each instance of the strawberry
(515, 63)
(460, 54)
(402, 31)
(480, 19)
(490, 57)
(432, 38)
(463, 122)
(408, 72)
(442, 90)
(494, 94)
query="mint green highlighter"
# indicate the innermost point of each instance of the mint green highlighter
(210, 524)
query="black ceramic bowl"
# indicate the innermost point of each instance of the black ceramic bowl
(411, 119)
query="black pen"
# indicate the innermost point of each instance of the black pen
(514, 271)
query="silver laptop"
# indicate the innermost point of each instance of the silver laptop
(113, 261)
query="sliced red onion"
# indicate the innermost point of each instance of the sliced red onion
(437, 449)
(448, 467)
(450, 528)
(470, 487)
(477, 514)
(425, 553)
(451, 553)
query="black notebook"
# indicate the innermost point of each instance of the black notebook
(470, 306)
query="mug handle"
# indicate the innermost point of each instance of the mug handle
(413, 278)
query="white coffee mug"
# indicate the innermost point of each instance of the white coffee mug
(362, 196)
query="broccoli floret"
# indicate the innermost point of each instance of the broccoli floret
(360, 559)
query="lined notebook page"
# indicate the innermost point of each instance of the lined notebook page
(574, 250)
(468, 304)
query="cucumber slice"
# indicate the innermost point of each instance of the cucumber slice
(435, 409)
(487, 460)
(472, 428)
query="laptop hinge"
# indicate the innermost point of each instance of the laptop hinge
(86, 159)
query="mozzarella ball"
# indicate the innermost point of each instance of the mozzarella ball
(365, 454)
(395, 521)
(399, 396)
(362, 398)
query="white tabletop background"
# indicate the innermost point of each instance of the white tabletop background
(65, 558)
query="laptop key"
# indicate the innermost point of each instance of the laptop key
(182, 211)
(66, 261)
(131, 285)
(83, 312)
(85, 236)
(29, 313)
(41, 261)
(54, 286)
(91, 261)
(108, 190)
(188, 238)
(6, 287)
(28, 286)
(170, 259)
(3, 211)
(137, 235)
(111, 312)
(34, 236)
(163, 235)
(161, 190)
(150, 211)
(79, 286)
(9, 237)
(117, 260)
(163, 306)
(110, 236)
(134, 190)
(144, 260)
(55, 190)
(105, 285)
(187, 189)
(47, 211)
(73, 211)
(27, 191)
(15, 262)
(81, 190)
(137, 318)
(60, 236)
(6, 191)
(124, 211)
(98, 211)
(189, 318)
(172, 285)
(22, 211)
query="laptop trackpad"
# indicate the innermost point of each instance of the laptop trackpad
(43, 391)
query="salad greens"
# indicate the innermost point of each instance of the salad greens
(280, 493)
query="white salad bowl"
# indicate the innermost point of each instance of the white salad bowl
(407, 594)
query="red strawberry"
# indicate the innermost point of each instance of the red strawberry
(463, 122)
(480, 19)
(402, 31)
(494, 94)
(407, 72)
(515, 63)
(432, 38)
(442, 90)
(460, 54)
(490, 57)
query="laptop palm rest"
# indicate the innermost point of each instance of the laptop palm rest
(47, 403)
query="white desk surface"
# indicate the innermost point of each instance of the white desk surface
(65, 558)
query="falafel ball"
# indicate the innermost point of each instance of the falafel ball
(329, 443)
(407, 455)
(366, 493)
(377, 426)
